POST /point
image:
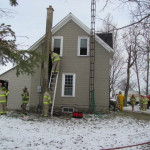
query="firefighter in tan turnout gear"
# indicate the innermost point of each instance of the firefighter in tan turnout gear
(3, 102)
(25, 100)
(0, 86)
(133, 101)
(46, 103)
(145, 102)
(55, 62)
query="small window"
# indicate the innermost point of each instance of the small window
(57, 44)
(68, 85)
(67, 109)
(83, 46)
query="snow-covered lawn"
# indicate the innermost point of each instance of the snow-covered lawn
(136, 109)
(90, 133)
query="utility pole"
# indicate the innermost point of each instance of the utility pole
(92, 57)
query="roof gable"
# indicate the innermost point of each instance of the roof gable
(69, 17)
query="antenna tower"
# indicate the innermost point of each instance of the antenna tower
(92, 57)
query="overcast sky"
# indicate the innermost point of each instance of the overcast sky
(29, 17)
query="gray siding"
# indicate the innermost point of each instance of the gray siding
(71, 63)
(101, 78)
(15, 87)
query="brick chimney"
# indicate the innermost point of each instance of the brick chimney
(47, 49)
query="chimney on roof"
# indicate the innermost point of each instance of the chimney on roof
(49, 23)
(47, 49)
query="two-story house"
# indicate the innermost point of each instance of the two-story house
(71, 39)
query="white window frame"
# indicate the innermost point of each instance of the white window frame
(63, 83)
(61, 43)
(67, 110)
(79, 40)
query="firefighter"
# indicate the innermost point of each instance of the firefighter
(120, 99)
(46, 103)
(141, 102)
(7, 93)
(55, 62)
(2, 101)
(25, 100)
(145, 102)
(0, 86)
(132, 101)
(148, 96)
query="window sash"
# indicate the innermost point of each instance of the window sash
(57, 44)
(68, 85)
(83, 46)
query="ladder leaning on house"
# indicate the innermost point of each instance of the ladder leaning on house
(53, 86)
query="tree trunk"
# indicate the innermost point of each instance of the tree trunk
(147, 82)
(127, 85)
(138, 80)
(128, 76)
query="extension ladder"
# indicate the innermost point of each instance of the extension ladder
(53, 86)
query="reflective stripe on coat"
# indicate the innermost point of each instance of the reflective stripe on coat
(2, 96)
(47, 98)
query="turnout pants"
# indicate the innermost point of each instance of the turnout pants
(3, 108)
(55, 67)
(45, 110)
(141, 106)
(132, 107)
(144, 107)
(24, 106)
(121, 106)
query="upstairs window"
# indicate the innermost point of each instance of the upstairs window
(57, 44)
(83, 46)
(68, 85)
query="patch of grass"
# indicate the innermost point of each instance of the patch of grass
(134, 115)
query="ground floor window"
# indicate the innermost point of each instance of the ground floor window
(68, 84)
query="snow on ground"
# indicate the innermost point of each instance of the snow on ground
(90, 133)
(136, 109)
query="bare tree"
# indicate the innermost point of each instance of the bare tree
(146, 58)
(139, 10)
(131, 43)
(116, 70)
(25, 60)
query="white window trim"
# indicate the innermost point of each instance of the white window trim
(68, 109)
(61, 46)
(79, 39)
(63, 82)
